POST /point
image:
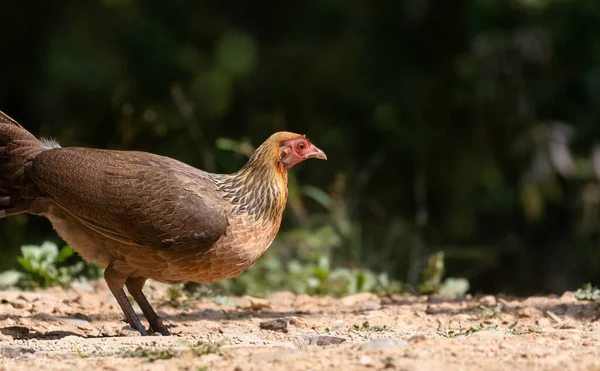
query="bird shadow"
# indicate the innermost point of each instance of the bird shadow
(227, 315)
(24, 332)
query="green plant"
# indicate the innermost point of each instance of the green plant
(202, 348)
(462, 332)
(431, 275)
(150, 354)
(329, 330)
(304, 274)
(587, 292)
(368, 328)
(511, 330)
(46, 265)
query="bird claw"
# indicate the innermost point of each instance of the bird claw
(159, 328)
(162, 331)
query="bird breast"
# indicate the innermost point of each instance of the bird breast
(246, 240)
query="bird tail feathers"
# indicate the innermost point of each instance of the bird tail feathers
(18, 148)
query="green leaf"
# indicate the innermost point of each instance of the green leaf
(587, 292)
(65, 253)
(321, 273)
(31, 252)
(26, 264)
(49, 251)
(10, 278)
(360, 281)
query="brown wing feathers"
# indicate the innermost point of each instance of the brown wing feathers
(133, 197)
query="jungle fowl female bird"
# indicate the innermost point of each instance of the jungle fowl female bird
(143, 216)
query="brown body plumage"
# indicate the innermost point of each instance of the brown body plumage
(144, 216)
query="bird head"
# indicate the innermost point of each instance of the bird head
(294, 148)
(265, 173)
(283, 150)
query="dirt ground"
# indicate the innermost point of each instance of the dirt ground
(81, 328)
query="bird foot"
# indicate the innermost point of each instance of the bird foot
(143, 331)
(159, 327)
(163, 331)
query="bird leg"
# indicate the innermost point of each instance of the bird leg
(115, 282)
(134, 286)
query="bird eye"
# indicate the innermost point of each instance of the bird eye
(301, 146)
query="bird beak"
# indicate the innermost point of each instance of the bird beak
(317, 153)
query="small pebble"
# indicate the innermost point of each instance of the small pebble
(383, 344)
(108, 331)
(253, 303)
(129, 331)
(306, 340)
(488, 300)
(19, 304)
(278, 324)
(298, 322)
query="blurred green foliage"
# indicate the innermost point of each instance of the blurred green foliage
(587, 292)
(467, 127)
(46, 266)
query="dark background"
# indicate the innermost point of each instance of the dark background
(468, 127)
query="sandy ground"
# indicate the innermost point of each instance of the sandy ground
(81, 328)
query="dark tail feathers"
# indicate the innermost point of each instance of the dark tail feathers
(18, 148)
